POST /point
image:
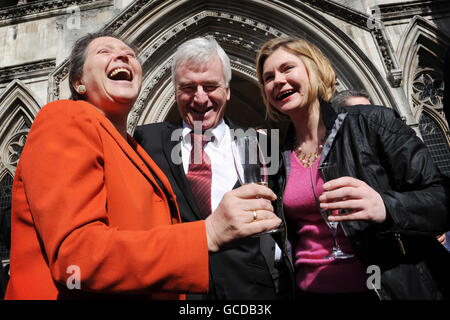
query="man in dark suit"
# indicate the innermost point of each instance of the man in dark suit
(201, 74)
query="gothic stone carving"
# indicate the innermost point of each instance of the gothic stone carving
(44, 8)
(27, 70)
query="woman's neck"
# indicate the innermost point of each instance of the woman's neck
(119, 121)
(309, 126)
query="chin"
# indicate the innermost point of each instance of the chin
(123, 93)
(206, 124)
(124, 98)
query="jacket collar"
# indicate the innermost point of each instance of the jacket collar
(169, 143)
(133, 151)
(332, 121)
(328, 116)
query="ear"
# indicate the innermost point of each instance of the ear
(76, 84)
(228, 94)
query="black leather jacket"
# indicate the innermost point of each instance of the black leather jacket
(372, 144)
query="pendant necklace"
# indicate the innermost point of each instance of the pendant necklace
(307, 159)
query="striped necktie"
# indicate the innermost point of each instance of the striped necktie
(199, 174)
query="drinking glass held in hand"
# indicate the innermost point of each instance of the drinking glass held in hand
(328, 172)
(251, 166)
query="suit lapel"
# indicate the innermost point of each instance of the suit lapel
(137, 156)
(233, 126)
(170, 144)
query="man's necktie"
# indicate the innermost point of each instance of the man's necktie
(199, 174)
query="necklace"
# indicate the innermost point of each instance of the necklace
(308, 158)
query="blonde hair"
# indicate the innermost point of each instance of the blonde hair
(321, 74)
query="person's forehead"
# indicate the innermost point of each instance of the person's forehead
(108, 42)
(357, 100)
(210, 71)
(281, 55)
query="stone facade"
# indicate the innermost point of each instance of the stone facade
(392, 49)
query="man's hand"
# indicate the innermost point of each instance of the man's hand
(234, 218)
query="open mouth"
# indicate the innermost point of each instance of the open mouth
(201, 111)
(120, 74)
(283, 95)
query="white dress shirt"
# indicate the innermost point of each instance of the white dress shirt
(223, 169)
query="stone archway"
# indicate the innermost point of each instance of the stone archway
(18, 107)
(156, 28)
(421, 52)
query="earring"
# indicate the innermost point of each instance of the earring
(81, 89)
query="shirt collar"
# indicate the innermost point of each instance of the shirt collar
(218, 132)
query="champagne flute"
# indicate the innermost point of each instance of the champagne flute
(328, 172)
(251, 165)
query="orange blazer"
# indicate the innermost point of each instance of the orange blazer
(88, 212)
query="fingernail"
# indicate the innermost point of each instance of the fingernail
(326, 185)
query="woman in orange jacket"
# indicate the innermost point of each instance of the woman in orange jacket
(92, 214)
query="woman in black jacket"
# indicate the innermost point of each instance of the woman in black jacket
(394, 199)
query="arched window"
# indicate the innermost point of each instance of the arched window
(18, 107)
(436, 142)
(5, 215)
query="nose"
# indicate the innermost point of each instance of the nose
(200, 97)
(122, 56)
(279, 78)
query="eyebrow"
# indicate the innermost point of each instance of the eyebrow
(280, 66)
(109, 46)
(204, 83)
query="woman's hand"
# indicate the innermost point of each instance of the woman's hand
(361, 201)
(442, 238)
(234, 218)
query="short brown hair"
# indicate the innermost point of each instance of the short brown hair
(321, 73)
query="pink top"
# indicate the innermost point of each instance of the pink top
(313, 273)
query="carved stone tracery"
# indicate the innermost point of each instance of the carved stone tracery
(14, 148)
(33, 10)
(428, 89)
(35, 69)
(18, 108)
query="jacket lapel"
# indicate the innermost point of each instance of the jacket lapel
(333, 122)
(137, 156)
(171, 144)
(234, 126)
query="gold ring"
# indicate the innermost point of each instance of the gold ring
(255, 216)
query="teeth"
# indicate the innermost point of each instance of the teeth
(203, 111)
(118, 70)
(285, 94)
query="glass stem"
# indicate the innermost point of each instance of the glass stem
(334, 236)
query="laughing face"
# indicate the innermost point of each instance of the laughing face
(286, 82)
(112, 75)
(201, 92)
